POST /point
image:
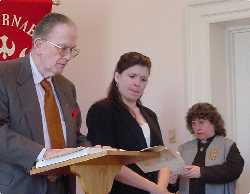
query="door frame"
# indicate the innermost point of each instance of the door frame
(199, 15)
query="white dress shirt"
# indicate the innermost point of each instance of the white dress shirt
(146, 132)
(37, 77)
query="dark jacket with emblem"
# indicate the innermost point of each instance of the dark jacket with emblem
(223, 165)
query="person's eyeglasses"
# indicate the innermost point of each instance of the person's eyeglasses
(63, 50)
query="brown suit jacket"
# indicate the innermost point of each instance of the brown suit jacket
(21, 132)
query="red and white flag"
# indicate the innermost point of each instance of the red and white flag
(18, 19)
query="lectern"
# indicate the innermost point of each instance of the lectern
(97, 171)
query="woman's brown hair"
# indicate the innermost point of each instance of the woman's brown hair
(126, 61)
(208, 112)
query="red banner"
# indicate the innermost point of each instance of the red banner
(18, 19)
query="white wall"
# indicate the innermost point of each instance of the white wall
(109, 28)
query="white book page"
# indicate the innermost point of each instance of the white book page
(82, 151)
(168, 158)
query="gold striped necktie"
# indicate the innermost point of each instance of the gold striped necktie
(52, 117)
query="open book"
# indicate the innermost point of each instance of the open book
(76, 153)
(168, 158)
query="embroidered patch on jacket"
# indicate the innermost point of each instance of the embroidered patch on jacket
(212, 155)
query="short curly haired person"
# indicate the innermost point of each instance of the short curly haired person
(213, 162)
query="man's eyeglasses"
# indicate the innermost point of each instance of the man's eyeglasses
(63, 50)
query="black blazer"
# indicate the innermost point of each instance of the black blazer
(110, 124)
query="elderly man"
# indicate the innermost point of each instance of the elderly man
(39, 115)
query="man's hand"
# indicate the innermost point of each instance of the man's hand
(50, 153)
(192, 171)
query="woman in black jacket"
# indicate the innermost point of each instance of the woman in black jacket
(121, 121)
